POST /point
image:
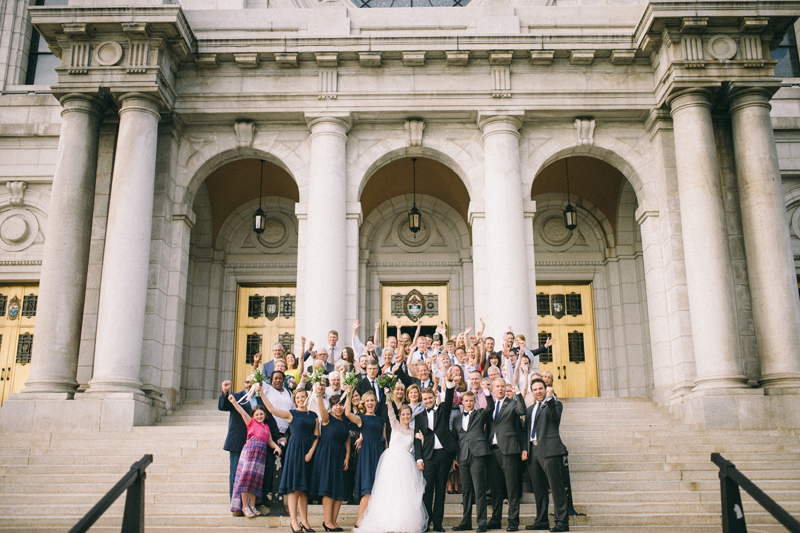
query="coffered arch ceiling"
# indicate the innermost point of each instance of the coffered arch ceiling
(235, 183)
(433, 178)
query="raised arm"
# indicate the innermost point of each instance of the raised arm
(238, 407)
(224, 404)
(256, 361)
(479, 334)
(348, 408)
(281, 413)
(358, 346)
(393, 411)
(323, 413)
(416, 333)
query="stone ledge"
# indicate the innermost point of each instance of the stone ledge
(738, 409)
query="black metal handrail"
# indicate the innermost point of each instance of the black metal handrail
(133, 518)
(733, 520)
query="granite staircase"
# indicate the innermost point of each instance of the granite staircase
(631, 465)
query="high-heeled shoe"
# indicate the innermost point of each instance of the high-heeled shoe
(307, 529)
(298, 530)
(324, 525)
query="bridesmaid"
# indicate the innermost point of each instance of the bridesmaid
(372, 447)
(296, 480)
(331, 458)
(355, 445)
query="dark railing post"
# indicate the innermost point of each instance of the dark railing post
(133, 519)
(732, 511)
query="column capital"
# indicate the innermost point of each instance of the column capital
(140, 102)
(92, 104)
(693, 97)
(740, 97)
(500, 122)
(334, 123)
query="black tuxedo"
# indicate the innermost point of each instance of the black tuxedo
(436, 462)
(408, 380)
(472, 453)
(545, 460)
(506, 427)
(363, 386)
(237, 436)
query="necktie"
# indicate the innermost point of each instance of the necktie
(533, 422)
(497, 409)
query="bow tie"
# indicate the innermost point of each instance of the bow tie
(431, 410)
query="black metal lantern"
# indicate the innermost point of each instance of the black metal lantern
(258, 216)
(570, 214)
(414, 216)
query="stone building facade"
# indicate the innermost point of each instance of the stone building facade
(134, 171)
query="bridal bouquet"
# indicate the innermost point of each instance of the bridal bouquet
(350, 379)
(258, 379)
(387, 380)
(317, 377)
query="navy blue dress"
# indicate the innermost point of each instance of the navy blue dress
(328, 476)
(371, 450)
(296, 471)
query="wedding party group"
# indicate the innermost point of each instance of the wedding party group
(394, 429)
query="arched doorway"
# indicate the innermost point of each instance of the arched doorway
(236, 277)
(400, 269)
(590, 281)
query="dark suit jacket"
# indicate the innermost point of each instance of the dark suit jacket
(409, 380)
(508, 426)
(548, 420)
(268, 368)
(441, 428)
(363, 386)
(237, 430)
(473, 441)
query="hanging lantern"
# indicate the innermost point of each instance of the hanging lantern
(570, 214)
(258, 216)
(414, 216)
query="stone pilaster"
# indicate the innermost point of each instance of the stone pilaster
(325, 231)
(506, 258)
(770, 264)
(126, 258)
(705, 241)
(62, 285)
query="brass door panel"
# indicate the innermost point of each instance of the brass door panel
(18, 305)
(265, 314)
(565, 312)
(410, 301)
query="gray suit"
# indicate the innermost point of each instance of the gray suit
(545, 460)
(472, 453)
(507, 428)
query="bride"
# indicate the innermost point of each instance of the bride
(396, 501)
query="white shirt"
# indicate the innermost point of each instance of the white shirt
(436, 444)
(497, 407)
(536, 408)
(281, 400)
(465, 420)
(334, 354)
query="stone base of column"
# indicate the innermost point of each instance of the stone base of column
(776, 382)
(736, 381)
(738, 409)
(50, 388)
(113, 413)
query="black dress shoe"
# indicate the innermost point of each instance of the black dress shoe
(493, 525)
(481, 529)
(558, 528)
(512, 528)
(462, 528)
(538, 527)
(440, 529)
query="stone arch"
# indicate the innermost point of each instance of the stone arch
(399, 204)
(627, 228)
(243, 215)
(446, 152)
(562, 147)
(198, 164)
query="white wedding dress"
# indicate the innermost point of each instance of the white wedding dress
(395, 505)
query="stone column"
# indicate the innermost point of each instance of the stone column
(62, 286)
(770, 262)
(126, 258)
(709, 276)
(326, 231)
(504, 233)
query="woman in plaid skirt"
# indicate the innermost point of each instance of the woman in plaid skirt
(250, 472)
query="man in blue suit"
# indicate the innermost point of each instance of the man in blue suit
(237, 434)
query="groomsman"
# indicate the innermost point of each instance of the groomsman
(473, 450)
(545, 455)
(506, 441)
(435, 452)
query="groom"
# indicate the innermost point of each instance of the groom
(435, 452)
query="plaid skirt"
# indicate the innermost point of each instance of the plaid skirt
(249, 472)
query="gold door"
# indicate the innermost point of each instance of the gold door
(566, 313)
(265, 315)
(410, 302)
(17, 319)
